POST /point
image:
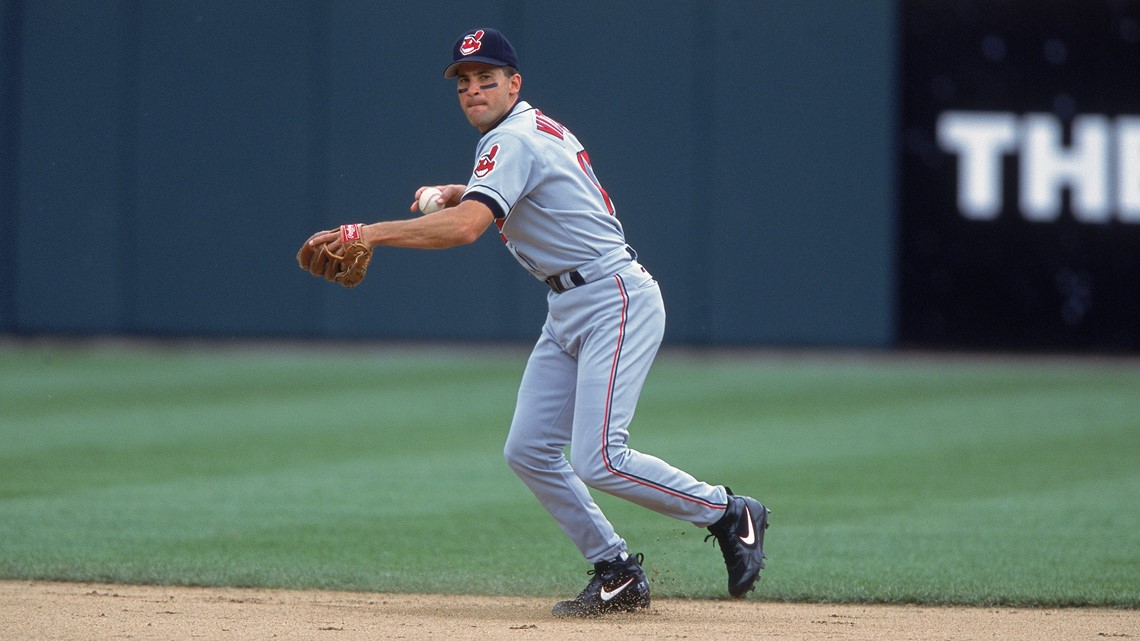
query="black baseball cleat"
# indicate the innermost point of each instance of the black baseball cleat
(740, 533)
(617, 586)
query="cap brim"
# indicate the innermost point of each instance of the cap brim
(452, 69)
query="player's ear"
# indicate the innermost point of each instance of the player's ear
(515, 83)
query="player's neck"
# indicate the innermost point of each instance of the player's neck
(507, 114)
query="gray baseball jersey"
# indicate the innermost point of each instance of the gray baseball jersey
(550, 209)
(605, 323)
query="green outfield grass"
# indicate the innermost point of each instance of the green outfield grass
(910, 480)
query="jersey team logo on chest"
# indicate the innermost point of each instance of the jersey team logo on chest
(486, 162)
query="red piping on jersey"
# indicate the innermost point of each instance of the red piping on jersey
(609, 400)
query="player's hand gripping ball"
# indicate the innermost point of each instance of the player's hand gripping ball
(345, 262)
(430, 201)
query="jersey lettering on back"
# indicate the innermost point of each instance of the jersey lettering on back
(584, 163)
(548, 125)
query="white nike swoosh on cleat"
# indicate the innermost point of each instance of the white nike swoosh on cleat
(608, 595)
(750, 538)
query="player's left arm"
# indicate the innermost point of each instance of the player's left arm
(450, 227)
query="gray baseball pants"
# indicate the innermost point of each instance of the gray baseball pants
(580, 387)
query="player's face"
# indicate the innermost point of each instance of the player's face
(486, 94)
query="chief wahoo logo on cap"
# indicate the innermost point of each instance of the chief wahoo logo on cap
(471, 43)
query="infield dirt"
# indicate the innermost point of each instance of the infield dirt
(31, 611)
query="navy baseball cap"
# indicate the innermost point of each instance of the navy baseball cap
(484, 45)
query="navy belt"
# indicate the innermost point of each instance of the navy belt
(555, 282)
(596, 269)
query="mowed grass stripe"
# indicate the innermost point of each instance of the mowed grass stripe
(893, 480)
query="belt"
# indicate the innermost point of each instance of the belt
(597, 269)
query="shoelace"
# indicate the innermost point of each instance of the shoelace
(726, 549)
(638, 558)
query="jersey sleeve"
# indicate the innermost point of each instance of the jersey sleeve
(505, 170)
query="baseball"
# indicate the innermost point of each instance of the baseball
(428, 203)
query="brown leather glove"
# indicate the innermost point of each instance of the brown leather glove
(347, 265)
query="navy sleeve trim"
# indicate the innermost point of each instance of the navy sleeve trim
(491, 203)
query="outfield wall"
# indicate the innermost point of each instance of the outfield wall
(163, 160)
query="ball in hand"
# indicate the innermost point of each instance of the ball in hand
(430, 201)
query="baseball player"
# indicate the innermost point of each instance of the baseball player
(533, 180)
